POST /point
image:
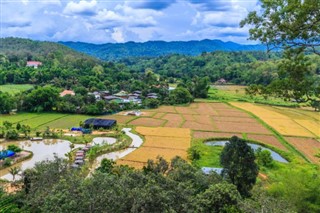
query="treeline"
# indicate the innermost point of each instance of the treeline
(235, 67)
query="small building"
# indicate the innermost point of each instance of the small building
(121, 94)
(67, 92)
(221, 81)
(34, 64)
(96, 95)
(96, 123)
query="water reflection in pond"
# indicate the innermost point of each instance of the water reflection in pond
(42, 150)
(275, 156)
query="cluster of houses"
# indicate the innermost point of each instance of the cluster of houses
(80, 157)
(121, 97)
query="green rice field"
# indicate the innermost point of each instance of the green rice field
(15, 88)
(42, 120)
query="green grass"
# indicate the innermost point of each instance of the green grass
(210, 155)
(230, 95)
(42, 120)
(67, 122)
(15, 88)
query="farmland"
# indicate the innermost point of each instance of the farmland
(288, 122)
(161, 141)
(15, 88)
(298, 128)
(42, 120)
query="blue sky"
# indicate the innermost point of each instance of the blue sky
(121, 21)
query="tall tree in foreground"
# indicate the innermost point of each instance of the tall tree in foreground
(286, 23)
(239, 167)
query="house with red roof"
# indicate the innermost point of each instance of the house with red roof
(34, 64)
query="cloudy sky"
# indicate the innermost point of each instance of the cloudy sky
(121, 21)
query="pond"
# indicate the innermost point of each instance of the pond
(136, 142)
(42, 150)
(275, 156)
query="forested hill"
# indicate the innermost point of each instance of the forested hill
(20, 49)
(118, 51)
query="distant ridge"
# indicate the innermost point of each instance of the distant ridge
(117, 51)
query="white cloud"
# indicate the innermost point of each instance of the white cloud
(117, 35)
(85, 8)
(121, 20)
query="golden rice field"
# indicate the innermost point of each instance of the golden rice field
(288, 122)
(161, 141)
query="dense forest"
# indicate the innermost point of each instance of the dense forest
(118, 51)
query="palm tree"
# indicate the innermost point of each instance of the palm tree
(14, 171)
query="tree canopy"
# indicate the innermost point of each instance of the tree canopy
(286, 23)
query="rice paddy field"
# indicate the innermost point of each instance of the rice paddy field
(40, 121)
(15, 88)
(159, 142)
(168, 127)
(260, 123)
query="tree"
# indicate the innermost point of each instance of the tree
(7, 102)
(239, 167)
(264, 157)
(14, 171)
(296, 80)
(286, 23)
(41, 99)
(106, 166)
(220, 197)
(180, 96)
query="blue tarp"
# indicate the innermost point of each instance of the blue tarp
(6, 154)
(76, 129)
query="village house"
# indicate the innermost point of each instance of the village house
(221, 81)
(34, 64)
(67, 92)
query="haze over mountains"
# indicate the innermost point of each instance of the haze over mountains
(116, 51)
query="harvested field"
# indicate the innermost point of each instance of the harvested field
(197, 126)
(203, 119)
(232, 113)
(165, 132)
(241, 127)
(161, 141)
(308, 146)
(166, 109)
(167, 142)
(174, 120)
(205, 109)
(203, 135)
(121, 119)
(144, 153)
(147, 122)
(267, 139)
(159, 115)
(235, 119)
(188, 117)
(148, 114)
(185, 110)
(279, 119)
(220, 106)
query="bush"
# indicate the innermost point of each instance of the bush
(12, 135)
(264, 157)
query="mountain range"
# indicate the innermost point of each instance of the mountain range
(117, 51)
